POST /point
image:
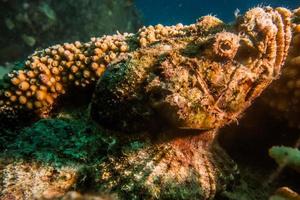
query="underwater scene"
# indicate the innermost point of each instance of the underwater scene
(149, 99)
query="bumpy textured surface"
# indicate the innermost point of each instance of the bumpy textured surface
(199, 77)
(174, 86)
(183, 168)
(30, 180)
(284, 95)
(51, 72)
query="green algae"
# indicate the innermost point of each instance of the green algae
(286, 156)
(60, 141)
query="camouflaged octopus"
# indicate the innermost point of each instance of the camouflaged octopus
(170, 87)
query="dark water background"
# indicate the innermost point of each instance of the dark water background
(170, 12)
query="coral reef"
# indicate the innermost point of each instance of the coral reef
(28, 25)
(284, 94)
(197, 82)
(49, 73)
(170, 89)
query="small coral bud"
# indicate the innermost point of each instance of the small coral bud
(95, 58)
(38, 104)
(40, 95)
(78, 63)
(24, 86)
(49, 61)
(112, 56)
(21, 76)
(27, 63)
(49, 99)
(151, 37)
(22, 100)
(29, 105)
(112, 46)
(143, 42)
(54, 52)
(56, 57)
(78, 44)
(18, 92)
(30, 74)
(81, 57)
(7, 93)
(58, 87)
(74, 69)
(77, 83)
(44, 59)
(28, 93)
(107, 58)
(94, 65)
(44, 78)
(15, 81)
(123, 48)
(104, 46)
(32, 81)
(47, 51)
(98, 51)
(54, 63)
(52, 80)
(61, 50)
(44, 88)
(71, 77)
(99, 71)
(33, 88)
(86, 73)
(55, 70)
(13, 98)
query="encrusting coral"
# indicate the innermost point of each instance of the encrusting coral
(172, 86)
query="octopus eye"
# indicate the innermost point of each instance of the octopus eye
(226, 45)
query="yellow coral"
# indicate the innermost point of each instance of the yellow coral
(49, 73)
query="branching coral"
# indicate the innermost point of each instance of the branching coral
(49, 73)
